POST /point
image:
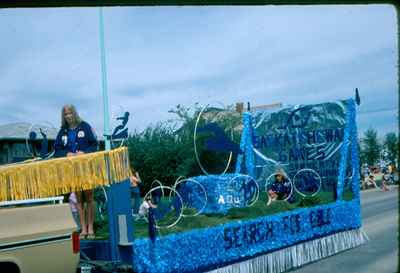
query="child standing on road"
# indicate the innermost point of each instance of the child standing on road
(365, 176)
(385, 181)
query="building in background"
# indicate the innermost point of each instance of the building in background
(22, 141)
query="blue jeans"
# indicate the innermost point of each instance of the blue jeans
(77, 220)
(135, 199)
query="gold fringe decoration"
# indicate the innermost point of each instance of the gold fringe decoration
(39, 179)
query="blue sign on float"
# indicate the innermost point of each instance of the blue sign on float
(206, 249)
(227, 191)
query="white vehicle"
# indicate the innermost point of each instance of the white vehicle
(36, 237)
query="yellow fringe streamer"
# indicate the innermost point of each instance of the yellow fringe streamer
(39, 179)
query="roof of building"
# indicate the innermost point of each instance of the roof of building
(21, 131)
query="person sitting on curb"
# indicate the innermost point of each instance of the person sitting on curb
(370, 182)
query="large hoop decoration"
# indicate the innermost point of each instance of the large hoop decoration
(102, 204)
(204, 192)
(31, 130)
(348, 180)
(262, 172)
(180, 199)
(159, 184)
(195, 146)
(319, 185)
(267, 183)
(255, 196)
(175, 183)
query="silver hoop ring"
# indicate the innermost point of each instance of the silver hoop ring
(257, 195)
(319, 186)
(176, 182)
(105, 194)
(350, 179)
(266, 187)
(177, 194)
(203, 189)
(105, 201)
(195, 146)
(159, 185)
(30, 152)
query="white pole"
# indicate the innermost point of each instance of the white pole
(104, 83)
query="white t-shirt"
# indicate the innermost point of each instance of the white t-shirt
(144, 208)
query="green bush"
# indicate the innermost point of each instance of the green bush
(165, 152)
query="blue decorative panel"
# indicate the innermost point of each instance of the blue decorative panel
(205, 249)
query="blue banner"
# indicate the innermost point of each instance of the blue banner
(205, 249)
(305, 141)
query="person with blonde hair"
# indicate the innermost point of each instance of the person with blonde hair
(77, 137)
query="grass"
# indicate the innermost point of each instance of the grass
(209, 220)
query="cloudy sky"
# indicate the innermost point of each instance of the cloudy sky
(158, 57)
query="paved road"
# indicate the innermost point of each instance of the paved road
(380, 254)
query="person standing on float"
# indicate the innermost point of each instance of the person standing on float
(77, 137)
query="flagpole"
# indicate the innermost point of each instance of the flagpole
(110, 191)
(104, 82)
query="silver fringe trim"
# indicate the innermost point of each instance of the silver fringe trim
(298, 255)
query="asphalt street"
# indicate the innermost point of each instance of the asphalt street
(380, 254)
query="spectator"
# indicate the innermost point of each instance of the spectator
(382, 166)
(365, 173)
(392, 171)
(370, 181)
(385, 180)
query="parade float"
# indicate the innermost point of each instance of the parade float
(234, 227)
(316, 146)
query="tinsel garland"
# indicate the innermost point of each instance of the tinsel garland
(298, 255)
(246, 145)
(345, 148)
(53, 177)
(206, 249)
(273, 243)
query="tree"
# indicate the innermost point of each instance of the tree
(166, 151)
(370, 147)
(391, 144)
